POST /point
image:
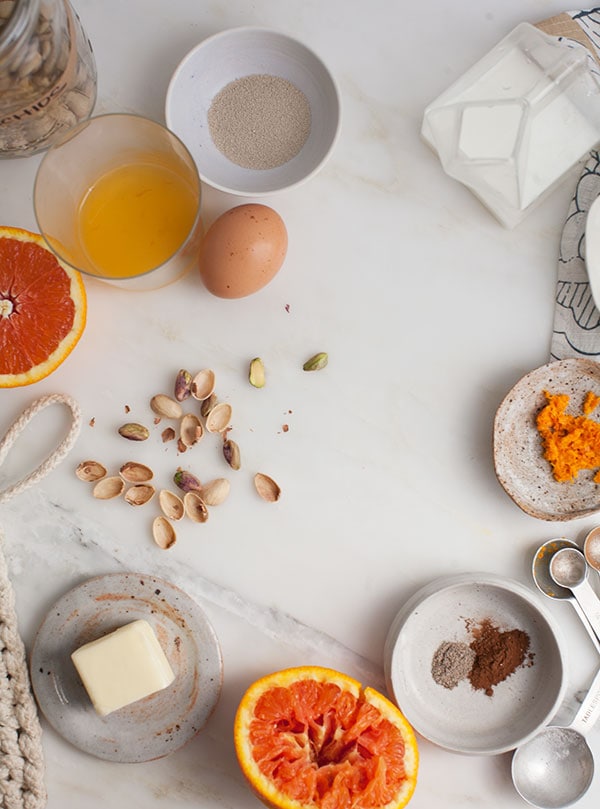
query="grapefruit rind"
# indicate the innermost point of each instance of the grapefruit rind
(265, 789)
(411, 753)
(77, 294)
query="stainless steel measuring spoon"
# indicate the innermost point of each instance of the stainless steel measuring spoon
(569, 569)
(555, 768)
(541, 575)
(591, 548)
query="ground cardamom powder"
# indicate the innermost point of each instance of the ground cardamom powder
(451, 663)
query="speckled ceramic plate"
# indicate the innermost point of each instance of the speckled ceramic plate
(156, 725)
(465, 719)
(520, 466)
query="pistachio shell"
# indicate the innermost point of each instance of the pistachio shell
(267, 488)
(216, 491)
(171, 505)
(134, 472)
(108, 488)
(218, 418)
(203, 384)
(163, 533)
(164, 406)
(90, 471)
(168, 434)
(191, 429)
(139, 494)
(195, 507)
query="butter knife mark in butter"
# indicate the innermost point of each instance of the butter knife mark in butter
(123, 667)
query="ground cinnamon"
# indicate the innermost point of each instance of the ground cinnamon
(498, 654)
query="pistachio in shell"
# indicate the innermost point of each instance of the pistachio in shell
(231, 453)
(219, 417)
(216, 491)
(139, 494)
(171, 504)
(203, 384)
(107, 488)
(134, 431)
(195, 507)
(134, 472)
(190, 430)
(90, 471)
(163, 533)
(186, 481)
(267, 488)
(165, 407)
(183, 385)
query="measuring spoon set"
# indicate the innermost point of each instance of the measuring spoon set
(556, 767)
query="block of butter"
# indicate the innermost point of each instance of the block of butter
(123, 667)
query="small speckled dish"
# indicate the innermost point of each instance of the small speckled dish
(463, 719)
(234, 54)
(520, 465)
(152, 727)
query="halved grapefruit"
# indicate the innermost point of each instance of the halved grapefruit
(42, 308)
(313, 737)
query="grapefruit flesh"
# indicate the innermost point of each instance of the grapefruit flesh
(42, 308)
(312, 737)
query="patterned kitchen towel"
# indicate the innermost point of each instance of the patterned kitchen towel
(576, 331)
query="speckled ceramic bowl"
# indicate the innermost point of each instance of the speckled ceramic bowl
(149, 728)
(235, 54)
(464, 719)
(518, 457)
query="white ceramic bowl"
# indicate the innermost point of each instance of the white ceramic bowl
(234, 54)
(463, 719)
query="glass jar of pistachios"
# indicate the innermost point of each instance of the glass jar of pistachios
(47, 74)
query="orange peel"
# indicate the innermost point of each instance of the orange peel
(571, 444)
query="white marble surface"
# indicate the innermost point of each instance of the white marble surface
(430, 312)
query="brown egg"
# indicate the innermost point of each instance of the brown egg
(243, 250)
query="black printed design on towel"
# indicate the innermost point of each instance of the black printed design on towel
(590, 22)
(576, 330)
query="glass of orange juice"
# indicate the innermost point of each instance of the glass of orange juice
(118, 198)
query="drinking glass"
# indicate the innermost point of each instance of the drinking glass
(118, 198)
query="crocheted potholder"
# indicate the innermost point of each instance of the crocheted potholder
(22, 772)
(21, 759)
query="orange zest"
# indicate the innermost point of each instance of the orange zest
(42, 308)
(313, 737)
(571, 443)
